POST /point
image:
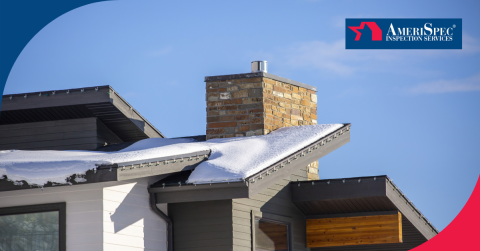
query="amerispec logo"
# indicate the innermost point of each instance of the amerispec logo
(403, 33)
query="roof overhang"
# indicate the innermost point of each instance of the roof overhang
(182, 192)
(360, 196)
(101, 102)
(178, 191)
(123, 171)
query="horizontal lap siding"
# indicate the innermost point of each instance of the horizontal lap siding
(101, 216)
(226, 224)
(72, 134)
(274, 200)
(202, 225)
(55, 135)
(129, 223)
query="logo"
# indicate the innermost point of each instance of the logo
(376, 31)
(403, 33)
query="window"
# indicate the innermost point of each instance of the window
(33, 228)
(271, 235)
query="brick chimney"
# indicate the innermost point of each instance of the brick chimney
(257, 103)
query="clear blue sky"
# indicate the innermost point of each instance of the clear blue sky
(415, 113)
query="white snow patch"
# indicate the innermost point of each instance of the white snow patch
(39, 167)
(18, 183)
(232, 159)
(79, 179)
(237, 158)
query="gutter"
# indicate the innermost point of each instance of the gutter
(153, 206)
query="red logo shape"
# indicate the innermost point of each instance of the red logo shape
(376, 31)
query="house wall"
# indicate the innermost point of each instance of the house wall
(205, 225)
(275, 200)
(101, 216)
(227, 224)
(70, 134)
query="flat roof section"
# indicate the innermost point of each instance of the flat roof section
(102, 102)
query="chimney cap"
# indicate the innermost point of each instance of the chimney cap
(259, 66)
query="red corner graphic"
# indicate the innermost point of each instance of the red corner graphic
(463, 232)
(376, 31)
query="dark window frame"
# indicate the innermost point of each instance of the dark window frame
(61, 208)
(273, 218)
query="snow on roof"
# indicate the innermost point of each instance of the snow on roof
(231, 159)
(39, 167)
(237, 158)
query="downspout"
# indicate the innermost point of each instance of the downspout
(153, 206)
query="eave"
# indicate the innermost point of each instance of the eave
(102, 102)
(186, 162)
(124, 171)
(357, 196)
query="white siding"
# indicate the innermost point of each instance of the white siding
(129, 223)
(101, 216)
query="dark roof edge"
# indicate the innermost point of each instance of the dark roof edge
(389, 181)
(72, 89)
(341, 179)
(257, 75)
(138, 113)
(412, 206)
(319, 142)
(119, 171)
(93, 88)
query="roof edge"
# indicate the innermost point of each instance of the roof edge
(411, 205)
(71, 89)
(134, 110)
(305, 150)
(389, 181)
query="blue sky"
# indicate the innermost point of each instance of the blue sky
(414, 113)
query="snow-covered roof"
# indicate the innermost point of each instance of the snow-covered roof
(238, 158)
(230, 159)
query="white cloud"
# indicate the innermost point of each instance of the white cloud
(320, 55)
(333, 57)
(446, 86)
(160, 52)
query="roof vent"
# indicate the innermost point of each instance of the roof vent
(259, 66)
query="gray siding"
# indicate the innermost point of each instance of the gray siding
(275, 200)
(226, 224)
(205, 225)
(71, 134)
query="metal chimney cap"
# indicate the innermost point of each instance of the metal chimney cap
(259, 66)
